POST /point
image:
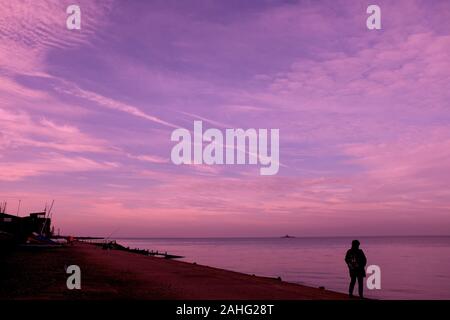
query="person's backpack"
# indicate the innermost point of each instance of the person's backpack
(353, 261)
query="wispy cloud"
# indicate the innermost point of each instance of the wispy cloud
(30, 29)
(149, 158)
(19, 130)
(49, 163)
(113, 104)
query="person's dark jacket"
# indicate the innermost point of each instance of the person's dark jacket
(356, 261)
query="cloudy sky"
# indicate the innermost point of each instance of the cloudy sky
(86, 115)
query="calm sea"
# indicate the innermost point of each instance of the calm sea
(411, 267)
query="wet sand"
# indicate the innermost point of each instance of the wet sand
(113, 274)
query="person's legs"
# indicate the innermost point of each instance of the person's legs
(352, 285)
(360, 286)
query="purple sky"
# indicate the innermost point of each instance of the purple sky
(86, 116)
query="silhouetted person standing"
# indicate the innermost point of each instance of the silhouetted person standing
(356, 261)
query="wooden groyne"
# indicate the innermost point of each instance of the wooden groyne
(107, 244)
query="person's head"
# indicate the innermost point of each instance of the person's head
(355, 244)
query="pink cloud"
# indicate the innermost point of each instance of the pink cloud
(29, 29)
(19, 130)
(412, 71)
(49, 163)
(149, 158)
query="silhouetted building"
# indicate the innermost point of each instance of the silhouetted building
(20, 228)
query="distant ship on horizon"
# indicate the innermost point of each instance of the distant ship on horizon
(287, 237)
